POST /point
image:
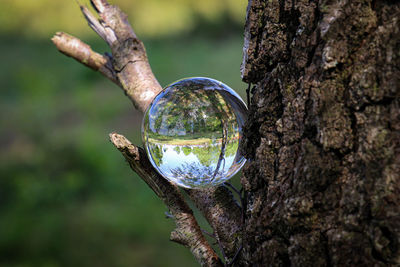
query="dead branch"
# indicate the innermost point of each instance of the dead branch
(81, 52)
(187, 232)
(223, 213)
(128, 67)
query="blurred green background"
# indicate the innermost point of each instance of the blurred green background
(67, 197)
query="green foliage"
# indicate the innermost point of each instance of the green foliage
(186, 150)
(67, 197)
(177, 149)
(207, 155)
(151, 18)
(157, 154)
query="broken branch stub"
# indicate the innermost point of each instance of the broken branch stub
(81, 52)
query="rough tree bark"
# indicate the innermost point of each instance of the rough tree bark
(323, 136)
(321, 186)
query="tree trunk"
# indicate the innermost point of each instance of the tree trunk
(323, 136)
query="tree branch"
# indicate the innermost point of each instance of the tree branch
(129, 55)
(223, 213)
(187, 232)
(129, 68)
(81, 52)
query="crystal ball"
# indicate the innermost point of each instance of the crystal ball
(192, 132)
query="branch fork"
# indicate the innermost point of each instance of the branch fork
(128, 67)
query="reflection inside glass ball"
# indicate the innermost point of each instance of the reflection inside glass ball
(192, 131)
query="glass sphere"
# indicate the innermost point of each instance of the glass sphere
(192, 132)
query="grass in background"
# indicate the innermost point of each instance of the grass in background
(67, 198)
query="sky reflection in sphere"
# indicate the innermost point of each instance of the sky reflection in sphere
(192, 131)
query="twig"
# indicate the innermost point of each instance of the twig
(81, 52)
(208, 233)
(234, 257)
(221, 248)
(233, 188)
(168, 215)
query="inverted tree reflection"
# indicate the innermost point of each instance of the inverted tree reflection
(195, 126)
